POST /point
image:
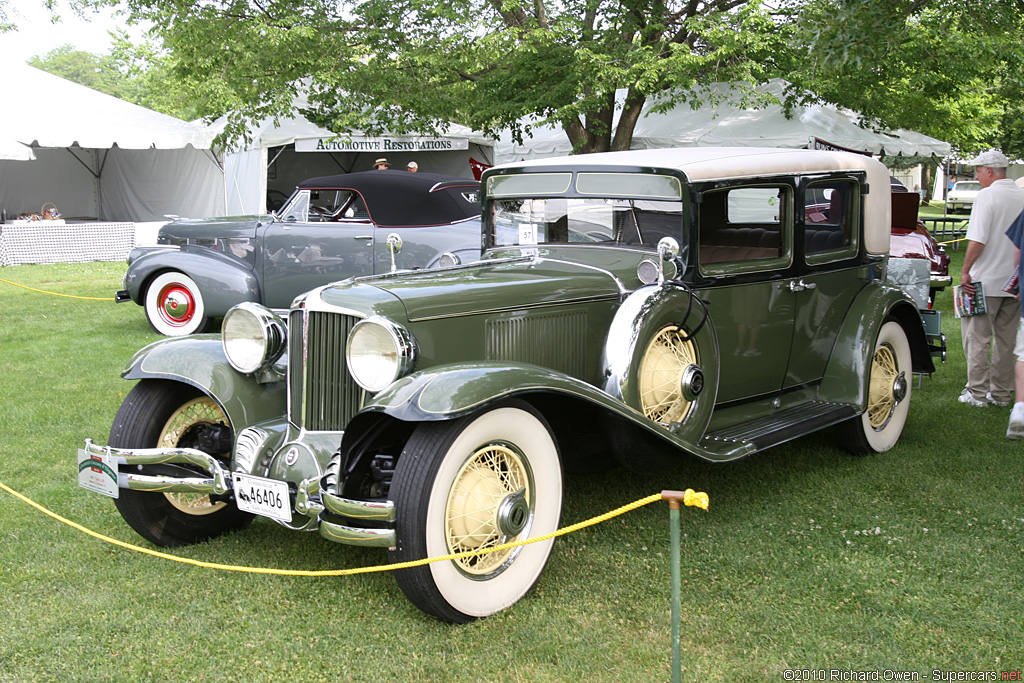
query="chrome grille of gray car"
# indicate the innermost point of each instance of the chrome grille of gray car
(322, 394)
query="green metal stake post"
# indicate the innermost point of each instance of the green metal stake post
(675, 499)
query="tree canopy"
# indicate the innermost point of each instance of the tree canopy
(947, 68)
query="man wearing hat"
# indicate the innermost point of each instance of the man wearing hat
(989, 338)
(412, 167)
(381, 164)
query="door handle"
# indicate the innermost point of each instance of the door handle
(363, 237)
(800, 285)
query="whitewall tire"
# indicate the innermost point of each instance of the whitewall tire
(174, 305)
(484, 480)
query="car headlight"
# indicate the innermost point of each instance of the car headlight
(253, 337)
(379, 352)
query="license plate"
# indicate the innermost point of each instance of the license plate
(266, 497)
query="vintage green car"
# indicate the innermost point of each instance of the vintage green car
(632, 308)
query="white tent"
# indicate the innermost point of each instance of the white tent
(97, 157)
(729, 123)
(285, 152)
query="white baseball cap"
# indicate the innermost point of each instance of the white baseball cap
(991, 159)
(412, 164)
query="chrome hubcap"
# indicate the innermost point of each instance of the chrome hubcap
(513, 514)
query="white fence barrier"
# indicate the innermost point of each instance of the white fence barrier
(59, 242)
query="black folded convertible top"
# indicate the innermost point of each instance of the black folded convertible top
(404, 199)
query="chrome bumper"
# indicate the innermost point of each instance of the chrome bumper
(310, 501)
(219, 481)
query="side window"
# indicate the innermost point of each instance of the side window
(831, 213)
(297, 208)
(747, 226)
(333, 205)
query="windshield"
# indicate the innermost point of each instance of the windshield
(633, 222)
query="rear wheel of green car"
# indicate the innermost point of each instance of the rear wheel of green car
(470, 484)
(888, 401)
(162, 414)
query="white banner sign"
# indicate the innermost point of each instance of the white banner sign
(381, 144)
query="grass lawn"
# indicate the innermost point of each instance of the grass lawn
(808, 558)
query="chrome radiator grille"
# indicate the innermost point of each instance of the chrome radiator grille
(322, 395)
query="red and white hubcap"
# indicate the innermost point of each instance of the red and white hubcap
(177, 306)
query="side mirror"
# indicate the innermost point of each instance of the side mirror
(668, 250)
(394, 246)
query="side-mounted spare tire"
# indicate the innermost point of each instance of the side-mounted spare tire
(661, 358)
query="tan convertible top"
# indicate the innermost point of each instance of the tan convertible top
(700, 164)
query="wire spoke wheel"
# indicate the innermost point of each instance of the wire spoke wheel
(475, 483)
(666, 359)
(884, 376)
(166, 414)
(201, 411)
(887, 402)
(483, 507)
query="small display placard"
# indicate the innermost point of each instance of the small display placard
(98, 473)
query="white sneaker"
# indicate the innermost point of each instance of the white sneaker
(967, 397)
(993, 402)
(1016, 428)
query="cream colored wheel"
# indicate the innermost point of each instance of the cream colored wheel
(888, 395)
(201, 411)
(882, 399)
(668, 358)
(471, 484)
(159, 414)
(489, 505)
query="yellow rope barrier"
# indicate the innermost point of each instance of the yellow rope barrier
(691, 498)
(67, 296)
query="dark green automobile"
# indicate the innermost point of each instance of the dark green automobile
(634, 308)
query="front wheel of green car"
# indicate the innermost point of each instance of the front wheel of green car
(890, 376)
(471, 484)
(162, 414)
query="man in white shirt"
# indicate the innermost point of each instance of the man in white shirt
(988, 339)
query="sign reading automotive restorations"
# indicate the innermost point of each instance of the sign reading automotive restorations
(381, 144)
(97, 473)
(818, 143)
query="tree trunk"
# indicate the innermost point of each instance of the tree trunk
(631, 110)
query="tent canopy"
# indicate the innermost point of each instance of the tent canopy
(729, 123)
(66, 114)
(98, 157)
(284, 152)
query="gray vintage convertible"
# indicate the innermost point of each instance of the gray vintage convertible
(330, 229)
(638, 308)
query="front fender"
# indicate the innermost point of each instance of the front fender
(846, 377)
(199, 360)
(446, 392)
(224, 280)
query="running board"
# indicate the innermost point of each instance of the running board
(785, 425)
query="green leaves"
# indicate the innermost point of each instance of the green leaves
(947, 68)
